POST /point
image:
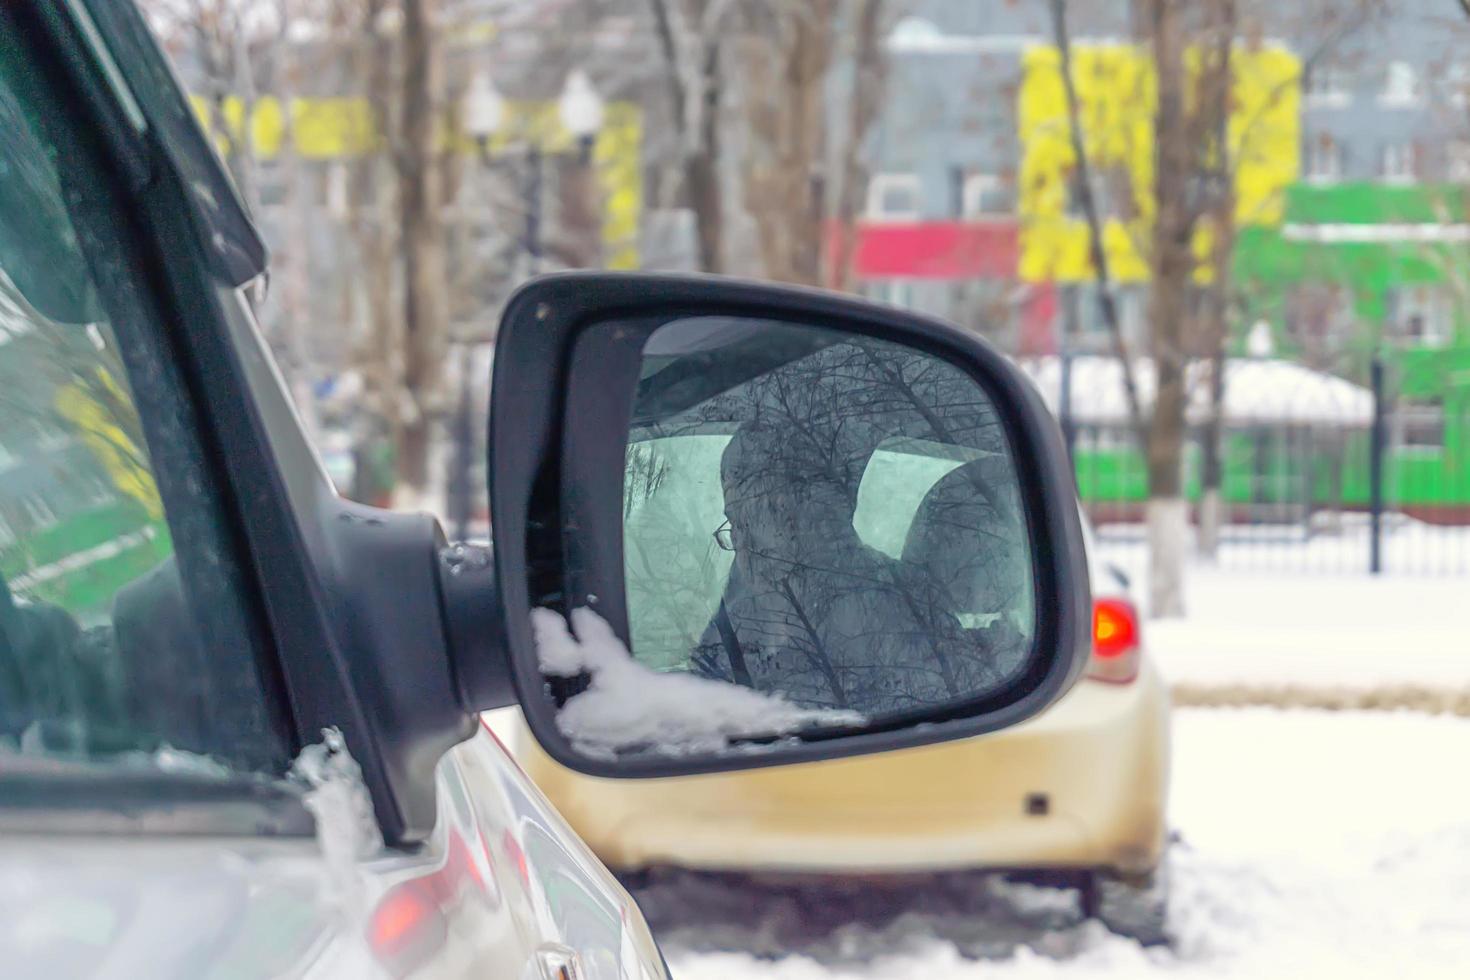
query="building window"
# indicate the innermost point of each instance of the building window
(1326, 86)
(1112, 194)
(270, 183)
(1397, 163)
(1400, 85)
(1421, 429)
(1090, 326)
(1105, 437)
(1457, 162)
(894, 292)
(1320, 321)
(894, 197)
(1323, 159)
(986, 196)
(38, 511)
(1421, 316)
(1454, 84)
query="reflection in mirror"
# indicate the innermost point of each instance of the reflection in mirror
(830, 522)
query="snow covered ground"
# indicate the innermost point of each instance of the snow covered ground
(1297, 625)
(1350, 631)
(1313, 845)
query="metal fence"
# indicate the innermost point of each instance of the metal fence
(1382, 486)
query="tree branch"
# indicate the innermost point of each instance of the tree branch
(1096, 250)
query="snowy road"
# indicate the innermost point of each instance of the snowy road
(1314, 845)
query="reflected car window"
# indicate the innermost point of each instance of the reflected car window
(832, 519)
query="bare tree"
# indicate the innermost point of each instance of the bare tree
(864, 102)
(1172, 268)
(233, 44)
(747, 85)
(241, 57)
(797, 170)
(785, 128)
(1190, 177)
(1096, 250)
(1190, 48)
(689, 34)
(1331, 24)
(415, 155)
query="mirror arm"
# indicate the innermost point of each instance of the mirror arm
(475, 627)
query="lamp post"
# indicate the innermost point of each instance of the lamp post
(484, 116)
(484, 112)
(581, 112)
(461, 487)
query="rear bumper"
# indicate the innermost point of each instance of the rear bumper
(1082, 786)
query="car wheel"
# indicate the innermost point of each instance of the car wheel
(1135, 906)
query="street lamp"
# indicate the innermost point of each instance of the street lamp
(484, 116)
(484, 111)
(581, 111)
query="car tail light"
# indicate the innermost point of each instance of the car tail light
(1115, 641)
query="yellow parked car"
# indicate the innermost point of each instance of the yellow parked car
(1078, 793)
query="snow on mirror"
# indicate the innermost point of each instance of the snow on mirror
(819, 529)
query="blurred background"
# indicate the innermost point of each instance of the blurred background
(1230, 240)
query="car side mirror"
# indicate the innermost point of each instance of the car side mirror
(739, 524)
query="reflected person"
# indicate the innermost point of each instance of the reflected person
(812, 612)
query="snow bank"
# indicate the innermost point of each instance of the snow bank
(629, 706)
(1256, 391)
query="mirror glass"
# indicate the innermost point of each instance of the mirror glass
(819, 529)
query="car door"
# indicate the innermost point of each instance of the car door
(164, 588)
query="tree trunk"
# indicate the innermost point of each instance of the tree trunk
(1212, 468)
(699, 137)
(864, 102)
(1168, 534)
(425, 313)
(1215, 86)
(1173, 266)
(785, 65)
(702, 167)
(578, 240)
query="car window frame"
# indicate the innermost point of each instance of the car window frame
(109, 167)
(352, 596)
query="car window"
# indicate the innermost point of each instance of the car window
(677, 559)
(675, 569)
(111, 541)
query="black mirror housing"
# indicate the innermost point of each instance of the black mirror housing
(582, 386)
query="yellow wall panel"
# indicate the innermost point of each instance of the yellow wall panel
(1117, 95)
(332, 128)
